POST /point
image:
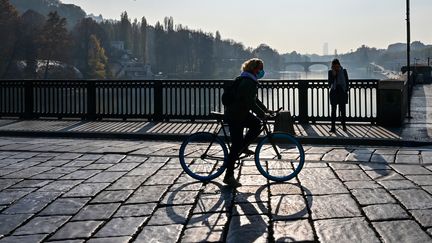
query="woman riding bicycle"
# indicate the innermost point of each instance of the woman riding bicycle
(239, 115)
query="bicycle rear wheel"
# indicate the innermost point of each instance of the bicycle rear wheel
(203, 155)
(279, 157)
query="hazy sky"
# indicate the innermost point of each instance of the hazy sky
(286, 25)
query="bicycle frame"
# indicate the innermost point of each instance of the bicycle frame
(264, 128)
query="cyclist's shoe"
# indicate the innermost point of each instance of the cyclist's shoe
(231, 181)
(248, 152)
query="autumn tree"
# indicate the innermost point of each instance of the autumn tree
(54, 40)
(97, 60)
(9, 27)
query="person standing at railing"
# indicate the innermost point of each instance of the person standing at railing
(339, 85)
(239, 114)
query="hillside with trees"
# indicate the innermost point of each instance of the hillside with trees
(52, 40)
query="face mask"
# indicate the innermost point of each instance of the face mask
(260, 74)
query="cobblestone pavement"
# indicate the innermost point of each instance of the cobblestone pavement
(75, 190)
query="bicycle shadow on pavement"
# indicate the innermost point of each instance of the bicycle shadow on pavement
(251, 216)
(221, 213)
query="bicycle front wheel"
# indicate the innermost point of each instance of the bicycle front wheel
(203, 155)
(279, 157)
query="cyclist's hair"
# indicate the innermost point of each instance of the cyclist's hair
(251, 64)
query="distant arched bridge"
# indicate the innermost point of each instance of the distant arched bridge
(307, 65)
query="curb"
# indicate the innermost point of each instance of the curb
(181, 137)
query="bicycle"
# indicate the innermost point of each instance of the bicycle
(278, 155)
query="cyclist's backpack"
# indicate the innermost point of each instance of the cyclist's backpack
(230, 93)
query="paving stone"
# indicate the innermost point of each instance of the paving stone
(112, 196)
(383, 158)
(136, 210)
(385, 212)
(427, 188)
(5, 183)
(55, 163)
(352, 175)
(23, 239)
(314, 164)
(10, 222)
(73, 230)
(86, 190)
(253, 180)
(209, 220)
(250, 228)
(27, 173)
(251, 209)
(293, 231)
(96, 211)
(333, 206)
(408, 159)
(9, 196)
(122, 239)
(380, 175)
(167, 233)
(147, 194)
(106, 177)
(47, 176)
(344, 166)
(401, 231)
(63, 170)
(80, 174)
(79, 163)
(170, 215)
(411, 169)
(424, 217)
(60, 186)
(316, 173)
(110, 158)
(336, 155)
(209, 204)
(363, 157)
(374, 166)
(32, 203)
(97, 167)
(180, 197)
(323, 187)
(422, 180)
(361, 184)
(398, 184)
(128, 182)
(372, 196)
(31, 183)
(90, 157)
(65, 206)
(288, 207)
(313, 157)
(121, 227)
(203, 234)
(344, 230)
(246, 194)
(42, 225)
(413, 198)
(123, 166)
(162, 179)
(133, 159)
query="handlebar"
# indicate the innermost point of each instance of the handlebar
(274, 114)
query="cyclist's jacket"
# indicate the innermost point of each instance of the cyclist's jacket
(246, 100)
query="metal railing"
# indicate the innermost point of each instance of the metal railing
(174, 99)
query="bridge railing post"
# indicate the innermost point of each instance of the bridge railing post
(28, 100)
(303, 101)
(158, 101)
(91, 100)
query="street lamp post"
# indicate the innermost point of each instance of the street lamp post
(408, 55)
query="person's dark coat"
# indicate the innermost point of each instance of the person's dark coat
(246, 101)
(338, 96)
